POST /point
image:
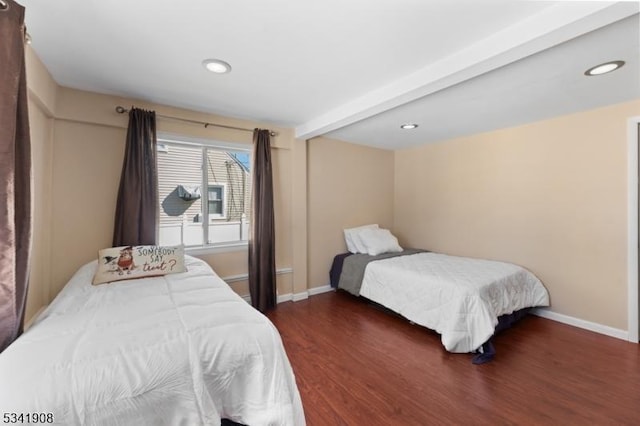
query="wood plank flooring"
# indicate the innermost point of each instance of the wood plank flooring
(358, 365)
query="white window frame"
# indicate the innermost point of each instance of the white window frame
(215, 216)
(164, 138)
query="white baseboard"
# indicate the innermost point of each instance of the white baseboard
(296, 297)
(319, 290)
(580, 323)
(281, 297)
(300, 296)
(284, 298)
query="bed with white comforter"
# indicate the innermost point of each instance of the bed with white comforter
(180, 349)
(460, 298)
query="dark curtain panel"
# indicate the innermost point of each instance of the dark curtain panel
(262, 240)
(137, 206)
(15, 175)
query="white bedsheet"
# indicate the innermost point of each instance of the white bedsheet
(182, 349)
(460, 298)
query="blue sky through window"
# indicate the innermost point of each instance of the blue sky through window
(242, 158)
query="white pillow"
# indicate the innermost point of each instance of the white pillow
(378, 241)
(352, 240)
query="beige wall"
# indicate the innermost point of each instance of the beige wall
(348, 185)
(550, 196)
(42, 93)
(86, 172)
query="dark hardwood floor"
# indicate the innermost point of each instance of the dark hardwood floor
(358, 365)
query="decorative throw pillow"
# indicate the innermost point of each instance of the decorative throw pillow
(129, 262)
(352, 240)
(378, 241)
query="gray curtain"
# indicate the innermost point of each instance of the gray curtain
(137, 205)
(262, 240)
(15, 175)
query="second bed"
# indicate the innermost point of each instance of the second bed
(460, 298)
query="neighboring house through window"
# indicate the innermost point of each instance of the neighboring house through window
(205, 190)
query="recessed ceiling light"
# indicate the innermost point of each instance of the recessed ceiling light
(604, 68)
(217, 66)
(408, 126)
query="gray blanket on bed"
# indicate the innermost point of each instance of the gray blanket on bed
(354, 266)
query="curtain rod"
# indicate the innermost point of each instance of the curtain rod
(122, 110)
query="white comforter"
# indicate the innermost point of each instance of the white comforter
(182, 349)
(460, 298)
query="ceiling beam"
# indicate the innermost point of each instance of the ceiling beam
(554, 25)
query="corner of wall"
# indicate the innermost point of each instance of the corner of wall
(43, 93)
(299, 216)
(43, 89)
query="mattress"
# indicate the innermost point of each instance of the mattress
(460, 298)
(182, 349)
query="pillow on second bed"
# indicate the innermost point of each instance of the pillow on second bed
(130, 262)
(351, 237)
(378, 241)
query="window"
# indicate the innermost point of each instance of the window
(217, 199)
(191, 215)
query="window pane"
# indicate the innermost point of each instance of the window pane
(215, 207)
(180, 219)
(215, 192)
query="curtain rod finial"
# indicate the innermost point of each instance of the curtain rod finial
(120, 110)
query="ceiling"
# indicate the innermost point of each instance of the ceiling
(352, 70)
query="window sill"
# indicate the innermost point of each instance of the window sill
(218, 248)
